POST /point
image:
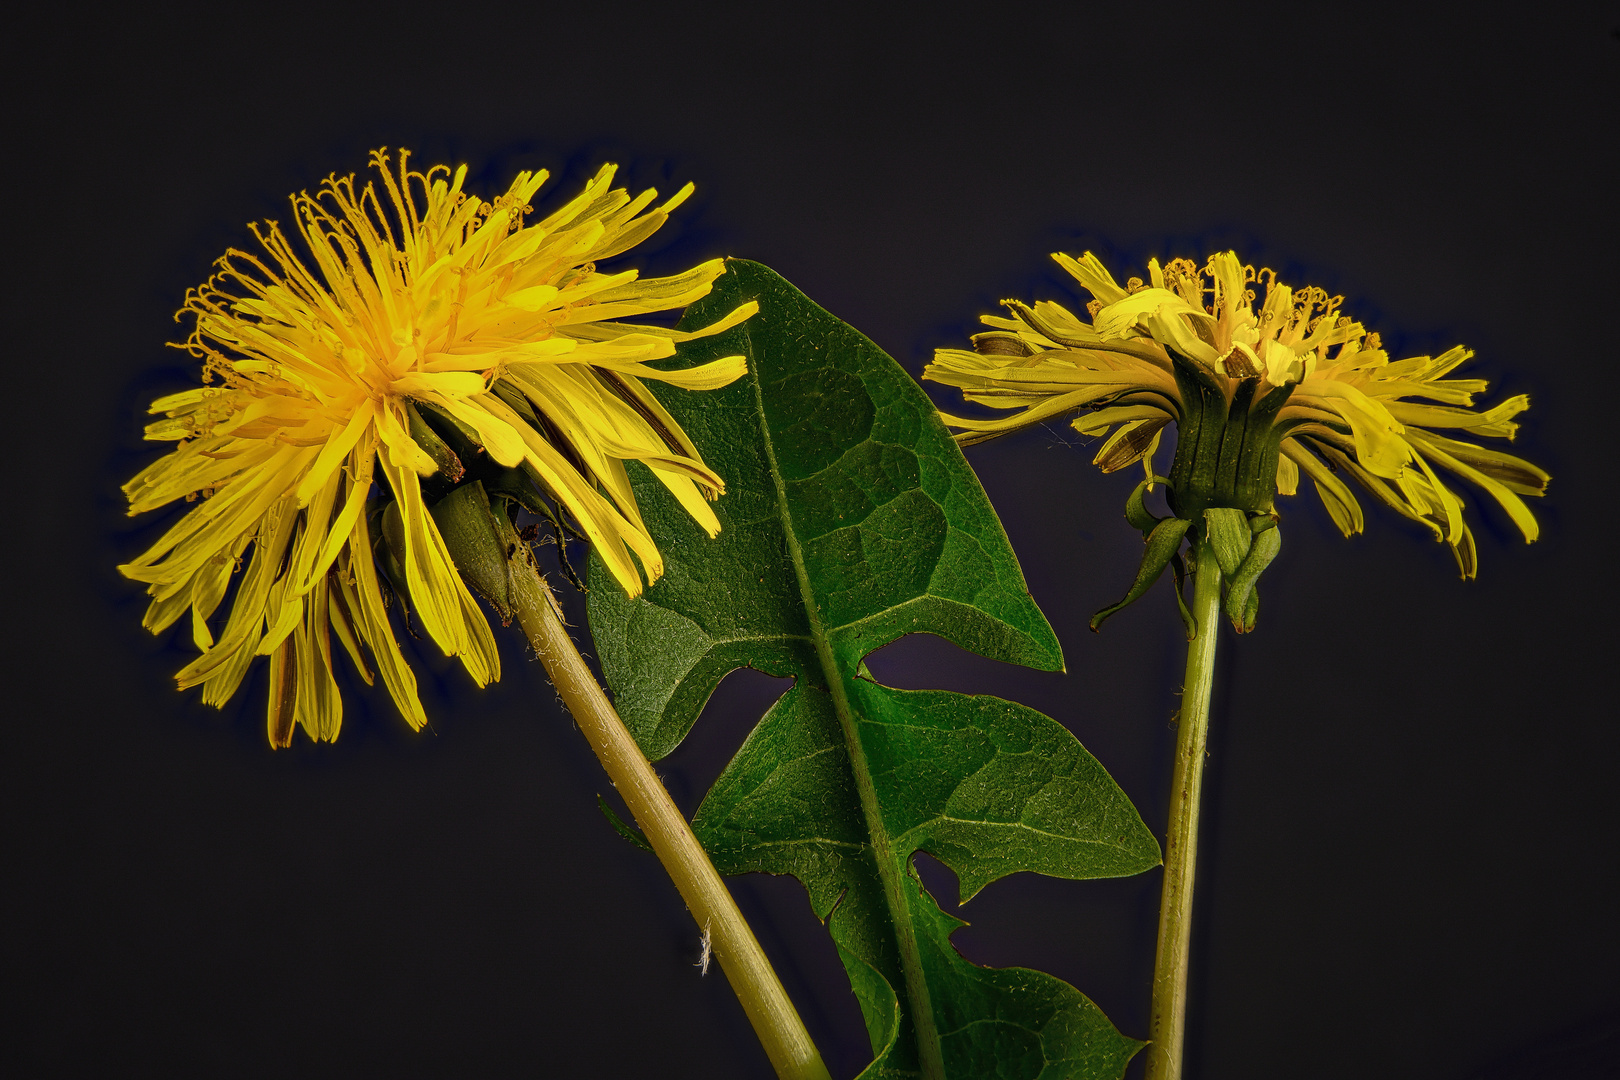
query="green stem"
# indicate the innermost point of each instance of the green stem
(731, 942)
(1167, 1024)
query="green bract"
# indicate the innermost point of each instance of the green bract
(851, 519)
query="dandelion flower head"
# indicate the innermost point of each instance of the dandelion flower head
(1313, 391)
(411, 299)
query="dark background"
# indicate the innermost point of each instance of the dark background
(1409, 856)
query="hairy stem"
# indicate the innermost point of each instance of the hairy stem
(731, 941)
(1167, 1024)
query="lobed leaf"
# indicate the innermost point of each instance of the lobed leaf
(851, 519)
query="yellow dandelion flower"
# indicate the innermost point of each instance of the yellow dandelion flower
(1259, 397)
(415, 301)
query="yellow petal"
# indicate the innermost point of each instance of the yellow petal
(335, 450)
(1090, 273)
(374, 628)
(1515, 507)
(1341, 505)
(1379, 445)
(710, 376)
(1118, 317)
(436, 384)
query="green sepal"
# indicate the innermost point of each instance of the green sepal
(1228, 533)
(1185, 366)
(457, 434)
(1240, 585)
(1178, 567)
(1136, 511)
(518, 402)
(523, 487)
(1251, 609)
(1226, 446)
(514, 485)
(436, 448)
(477, 544)
(1229, 455)
(389, 542)
(1162, 543)
(621, 826)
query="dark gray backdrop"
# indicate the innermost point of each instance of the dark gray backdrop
(1409, 858)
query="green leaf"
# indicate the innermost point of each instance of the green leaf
(851, 519)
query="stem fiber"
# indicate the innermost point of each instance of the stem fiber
(1168, 1020)
(763, 999)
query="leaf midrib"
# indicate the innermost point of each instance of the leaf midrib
(917, 993)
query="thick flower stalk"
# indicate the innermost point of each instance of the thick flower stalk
(414, 309)
(1259, 397)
